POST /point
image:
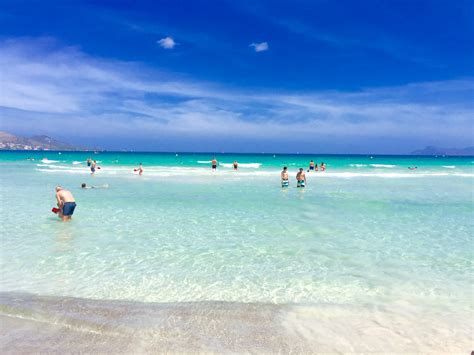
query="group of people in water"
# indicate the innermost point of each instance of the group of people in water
(67, 204)
(300, 178)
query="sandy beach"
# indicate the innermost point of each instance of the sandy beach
(32, 324)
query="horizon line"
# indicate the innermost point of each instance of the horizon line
(237, 153)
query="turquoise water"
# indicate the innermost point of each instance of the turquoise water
(366, 234)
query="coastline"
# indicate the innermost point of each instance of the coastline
(32, 323)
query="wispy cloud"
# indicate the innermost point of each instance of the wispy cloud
(260, 47)
(167, 43)
(51, 89)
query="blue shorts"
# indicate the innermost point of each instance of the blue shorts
(311, 168)
(300, 183)
(68, 208)
(285, 183)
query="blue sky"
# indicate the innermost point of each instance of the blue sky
(242, 76)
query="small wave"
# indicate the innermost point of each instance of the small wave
(59, 166)
(243, 165)
(204, 161)
(47, 161)
(449, 166)
(76, 162)
(70, 171)
(383, 165)
(358, 165)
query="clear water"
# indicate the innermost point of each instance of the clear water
(366, 233)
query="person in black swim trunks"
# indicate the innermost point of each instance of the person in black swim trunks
(66, 203)
(214, 164)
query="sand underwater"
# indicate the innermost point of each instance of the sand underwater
(369, 257)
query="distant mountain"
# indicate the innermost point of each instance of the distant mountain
(11, 142)
(430, 150)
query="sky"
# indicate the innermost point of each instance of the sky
(315, 76)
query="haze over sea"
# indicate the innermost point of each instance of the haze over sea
(369, 256)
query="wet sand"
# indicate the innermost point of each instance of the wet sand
(32, 324)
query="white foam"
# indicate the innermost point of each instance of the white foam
(57, 166)
(76, 162)
(243, 165)
(170, 171)
(463, 174)
(47, 161)
(378, 175)
(383, 165)
(358, 165)
(449, 166)
(70, 171)
(204, 161)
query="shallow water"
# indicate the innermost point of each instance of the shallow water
(366, 234)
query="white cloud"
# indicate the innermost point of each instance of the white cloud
(53, 90)
(167, 43)
(260, 47)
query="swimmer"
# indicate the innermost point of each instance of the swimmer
(301, 178)
(323, 167)
(140, 169)
(312, 166)
(284, 177)
(412, 167)
(66, 203)
(236, 165)
(214, 164)
(84, 186)
(89, 162)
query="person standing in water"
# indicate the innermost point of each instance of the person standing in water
(66, 203)
(89, 162)
(140, 169)
(93, 167)
(312, 166)
(284, 177)
(323, 166)
(301, 178)
(236, 165)
(214, 164)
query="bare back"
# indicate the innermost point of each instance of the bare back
(64, 196)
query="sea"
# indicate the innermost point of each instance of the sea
(371, 256)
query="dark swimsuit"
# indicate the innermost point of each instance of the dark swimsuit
(68, 208)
